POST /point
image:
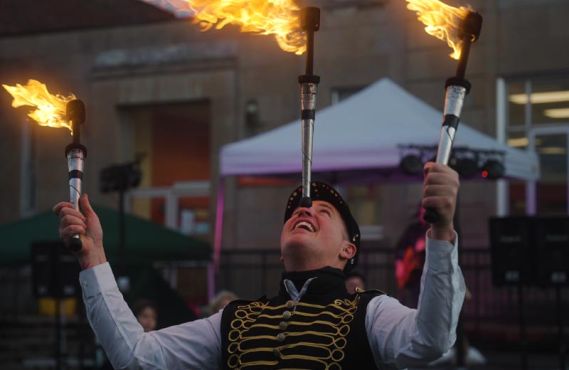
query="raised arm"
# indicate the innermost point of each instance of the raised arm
(194, 345)
(403, 337)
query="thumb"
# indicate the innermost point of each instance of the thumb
(86, 206)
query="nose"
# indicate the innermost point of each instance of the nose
(303, 211)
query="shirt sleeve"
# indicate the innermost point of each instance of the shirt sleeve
(193, 345)
(402, 337)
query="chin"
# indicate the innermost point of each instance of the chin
(297, 241)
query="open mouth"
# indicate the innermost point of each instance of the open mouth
(304, 225)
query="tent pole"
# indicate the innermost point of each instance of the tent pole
(213, 267)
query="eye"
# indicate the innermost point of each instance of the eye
(325, 211)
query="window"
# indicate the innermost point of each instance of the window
(537, 119)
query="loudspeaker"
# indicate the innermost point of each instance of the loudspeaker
(512, 250)
(55, 272)
(552, 238)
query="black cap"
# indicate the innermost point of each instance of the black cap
(324, 192)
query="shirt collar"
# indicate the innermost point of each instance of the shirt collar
(322, 282)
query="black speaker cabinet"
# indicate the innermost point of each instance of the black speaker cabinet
(55, 272)
(552, 238)
(512, 250)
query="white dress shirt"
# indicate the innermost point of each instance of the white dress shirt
(398, 336)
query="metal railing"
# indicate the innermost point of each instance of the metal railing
(490, 310)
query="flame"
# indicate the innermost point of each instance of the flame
(49, 109)
(265, 17)
(442, 21)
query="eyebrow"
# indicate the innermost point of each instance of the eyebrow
(325, 205)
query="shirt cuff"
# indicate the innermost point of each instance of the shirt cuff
(97, 279)
(441, 252)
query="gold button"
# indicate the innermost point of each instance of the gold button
(277, 352)
(281, 337)
(287, 315)
(290, 304)
(283, 325)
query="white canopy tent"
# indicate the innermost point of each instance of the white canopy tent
(361, 134)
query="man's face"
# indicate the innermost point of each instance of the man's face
(147, 319)
(315, 237)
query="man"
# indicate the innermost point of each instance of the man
(146, 313)
(313, 323)
(410, 258)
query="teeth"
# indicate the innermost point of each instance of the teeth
(305, 225)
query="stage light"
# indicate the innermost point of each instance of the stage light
(466, 167)
(493, 169)
(120, 177)
(411, 165)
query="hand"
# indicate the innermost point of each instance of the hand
(86, 224)
(440, 189)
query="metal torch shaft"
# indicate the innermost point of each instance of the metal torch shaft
(75, 165)
(456, 91)
(308, 91)
(454, 100)
(310, 23)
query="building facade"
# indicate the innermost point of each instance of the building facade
(169, 95)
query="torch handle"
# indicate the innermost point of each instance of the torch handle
(456, 90)
(307, 140)
(75, 154)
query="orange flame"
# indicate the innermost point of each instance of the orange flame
(442, 21)
(49, 109)
(265, 17)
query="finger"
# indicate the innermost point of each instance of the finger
(68, 231)
(438, 190)
(61, 205)
(432, 167)
(72, 220)
(67, 211)
(86, 206)
(439, 178)
(427, 167)
(442, 203)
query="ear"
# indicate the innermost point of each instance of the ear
(348, 250)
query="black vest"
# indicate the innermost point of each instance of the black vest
(324, 330)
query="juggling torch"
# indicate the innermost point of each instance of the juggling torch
(57, 111)
(76, 154)
(457, 88)
(310, 23)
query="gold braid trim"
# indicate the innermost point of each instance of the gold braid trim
(333, 319)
